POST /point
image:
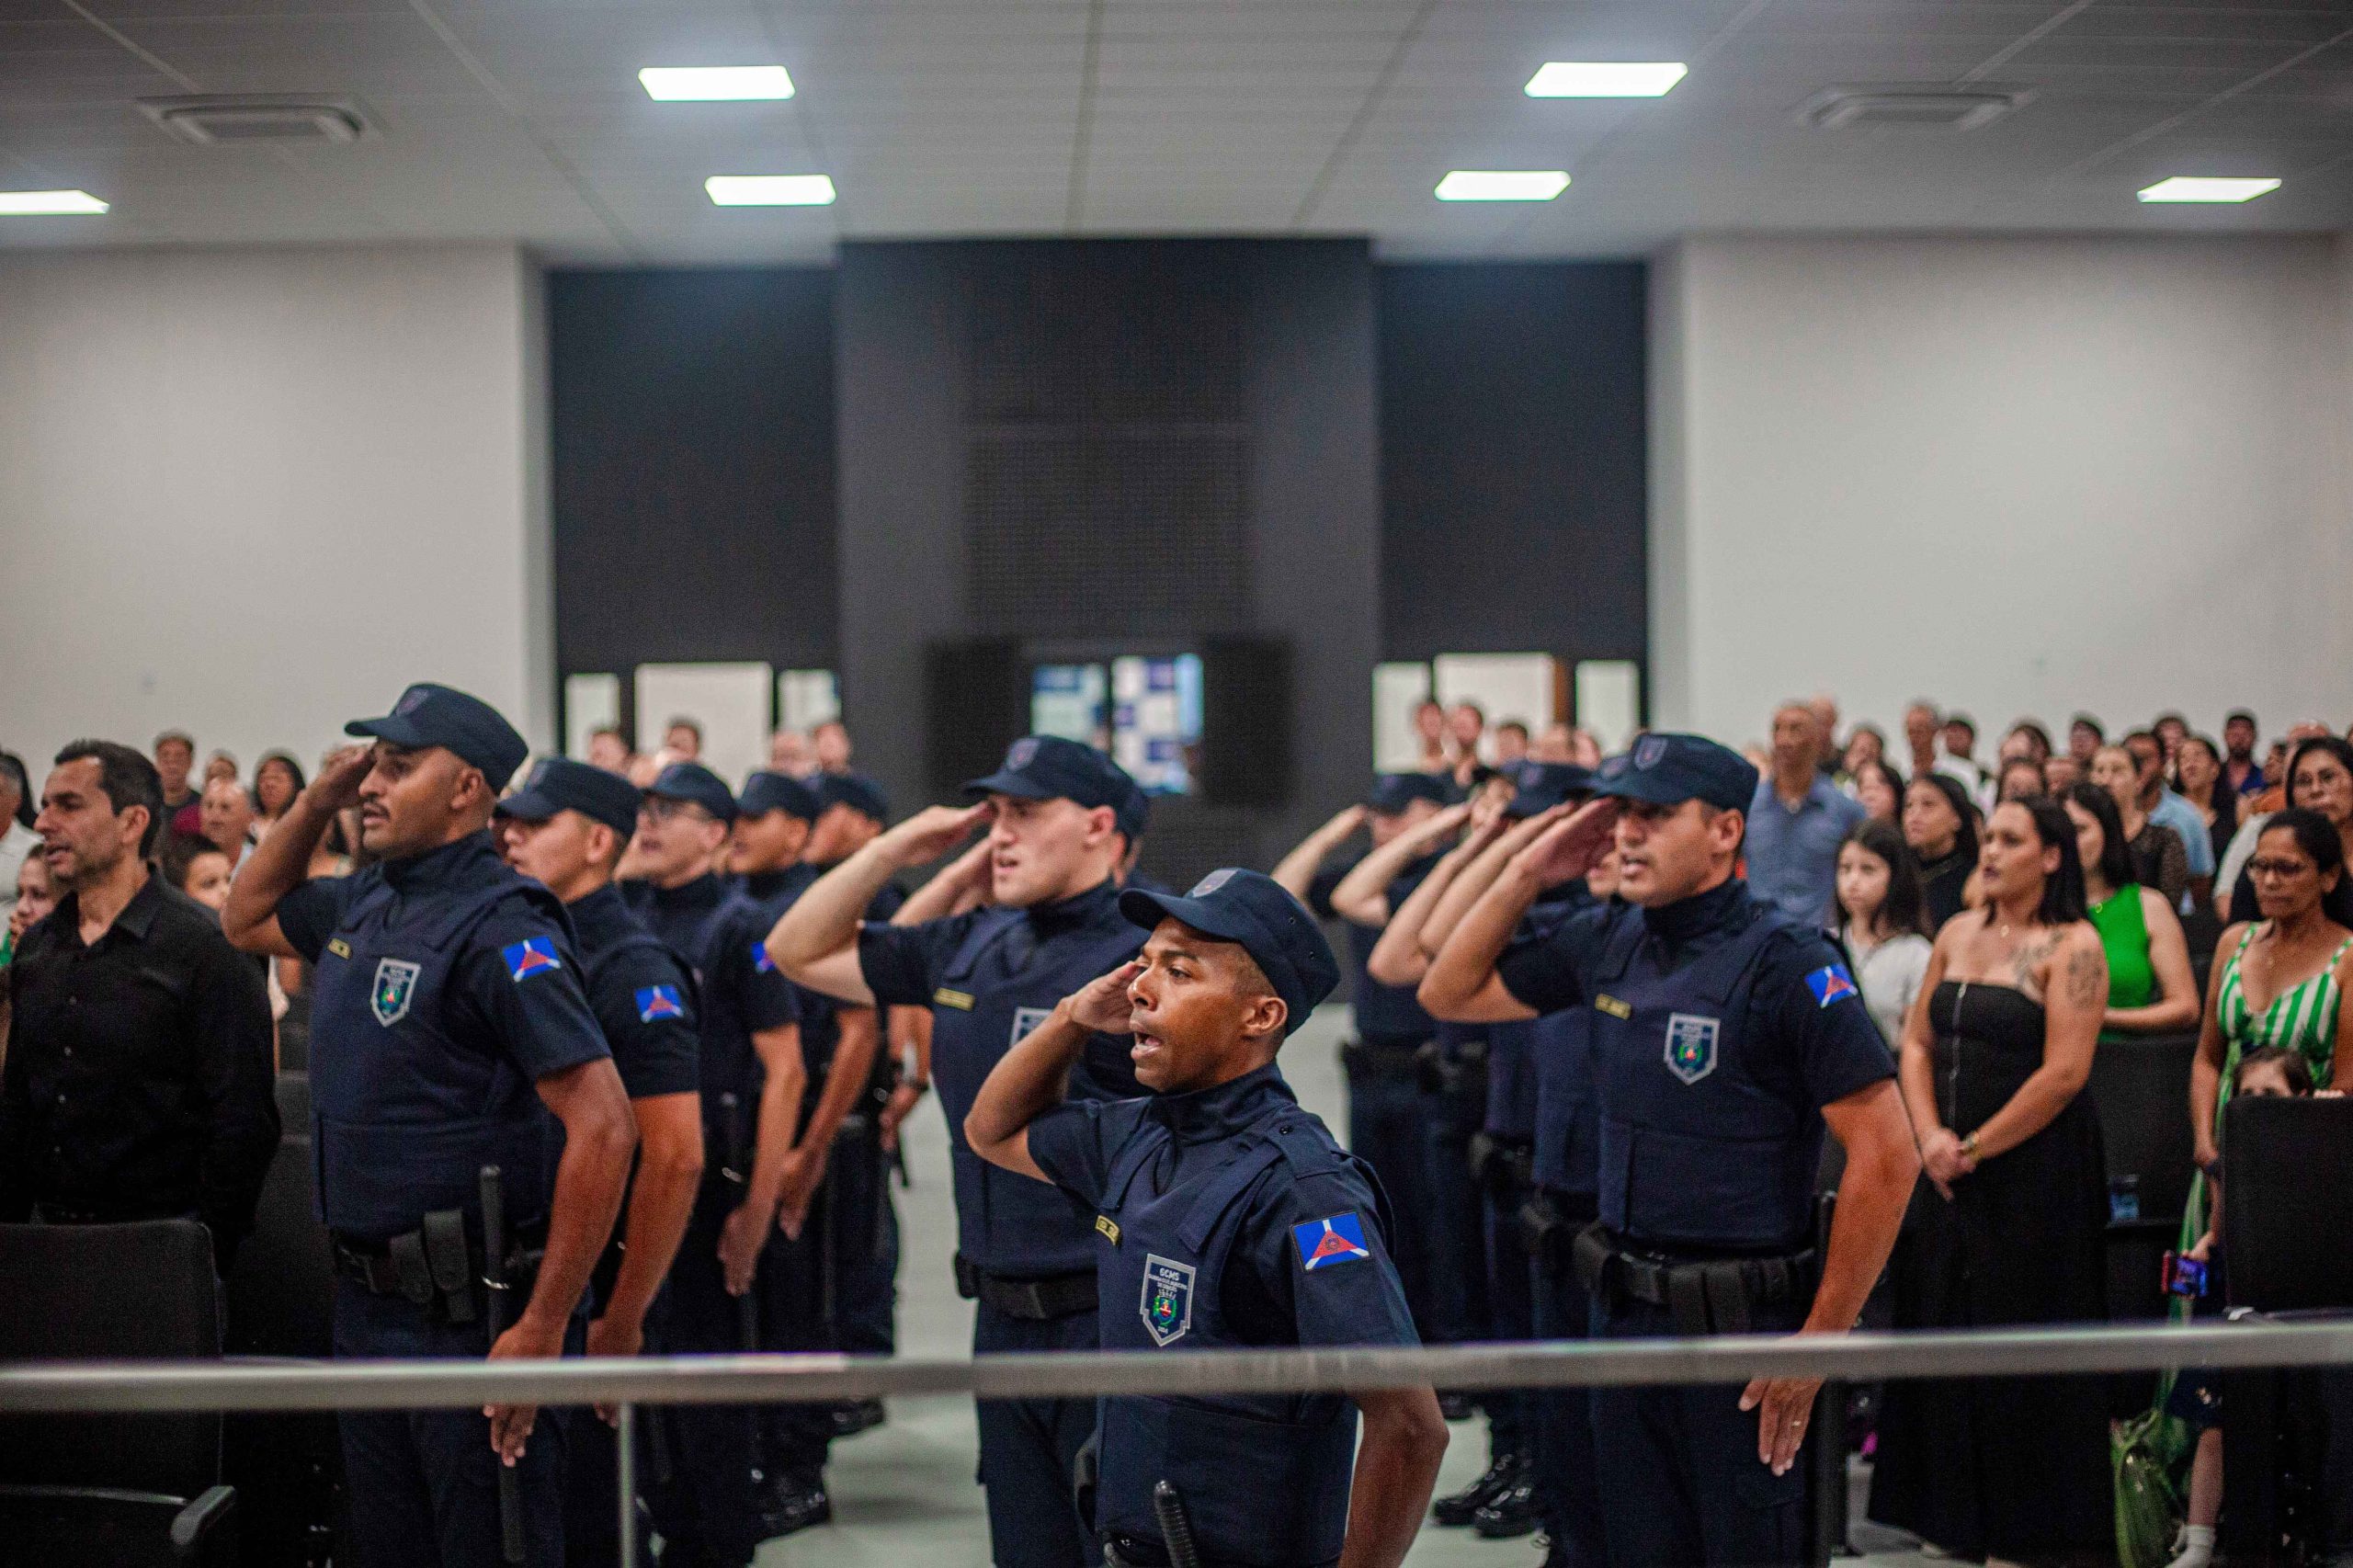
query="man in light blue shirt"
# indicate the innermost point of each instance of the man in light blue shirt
(2173, 811)
(1797, 822)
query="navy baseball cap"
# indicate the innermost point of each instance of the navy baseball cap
(1253, 910)
(855, 790)
(1393, 792)
(560, 784)
(1539, 786)
(1668, 769)
(693, 781)
(430, 715)
(765, 793)
(1048, 767)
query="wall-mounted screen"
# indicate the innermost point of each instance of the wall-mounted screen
(1145, 709)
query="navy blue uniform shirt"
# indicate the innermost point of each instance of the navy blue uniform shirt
(1817, 1054)
(543, 1022)
(1276, 1298)
(643, 996)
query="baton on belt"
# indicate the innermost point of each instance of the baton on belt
(493, 1278)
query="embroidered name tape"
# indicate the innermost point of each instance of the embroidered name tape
(1614, 1008)
(339, 947)
(959, 1000)
(1108, 1228)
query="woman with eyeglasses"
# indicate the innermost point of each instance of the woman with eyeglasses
(2319, 778)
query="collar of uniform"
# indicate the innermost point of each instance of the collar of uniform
(1097, 904)
(1205, 1115)
(591, 912)
(702, 892)
(445, 867)
(1679, 922)
(135, 920)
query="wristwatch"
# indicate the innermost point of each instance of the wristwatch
(1969, 1148)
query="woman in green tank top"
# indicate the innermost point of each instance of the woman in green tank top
(2283, 979)
(2150, 989)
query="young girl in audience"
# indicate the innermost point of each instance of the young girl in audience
(1878, 789)
(2267, 1071)
(200, 870)
(1940, 824)
(1878, 920)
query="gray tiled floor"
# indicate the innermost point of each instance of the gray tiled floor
(905, 1493)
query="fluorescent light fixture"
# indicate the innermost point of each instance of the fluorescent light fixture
(715, 83)
(1606, 78)
(47, 203)
(2193, 188)
(771, 190)
(1503, 185)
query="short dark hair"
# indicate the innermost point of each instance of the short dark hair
(2239, 716)
(2313, 834)
(2115, 855)
(1964, 721)
(2086, 721)
(126, 779)
(1900, 911)
(182, 736)
(179, 857)
(12, 769)
(1512, 724)
(2130, 735)
(2033, 730)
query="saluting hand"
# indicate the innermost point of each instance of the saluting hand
(337, 788)
(1574, 841)
(932, 832)
(1103, 1005)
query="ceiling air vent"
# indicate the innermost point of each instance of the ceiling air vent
(1851, 108)
(218, 121)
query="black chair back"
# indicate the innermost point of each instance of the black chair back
(294, 1104)
(2141, 1087)
(141, 1291)
(281, 1288)
(2288, 1203)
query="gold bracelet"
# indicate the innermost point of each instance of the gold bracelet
(1969, 1147)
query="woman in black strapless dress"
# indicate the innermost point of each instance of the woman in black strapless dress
(2007, 1224)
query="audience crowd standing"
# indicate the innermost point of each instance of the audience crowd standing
(2006, 920)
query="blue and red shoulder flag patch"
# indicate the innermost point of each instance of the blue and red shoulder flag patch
(761, 962)
(1323, 1243)
(532, 955)
(1831, 983)
(659, 1002)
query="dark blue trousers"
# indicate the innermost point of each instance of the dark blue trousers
(423, 1484)
(1568, 1496)
(1453, 1225)
(866, 1247)
(1029, 1449)
(1679, 1465)
(707, 1502)
(1511, 1315)
(1385, 1130)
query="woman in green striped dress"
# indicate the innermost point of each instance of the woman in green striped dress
(2285, 979)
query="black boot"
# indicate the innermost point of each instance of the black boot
(792, 1500)
(1510, 1513)
(1456, 1407)
(857, 1416)
(1464, 1506)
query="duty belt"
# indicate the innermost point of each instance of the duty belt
(1706, 1296)
(434, 1266)
(1033, 1300)
(1436, 1073)
(1502, 1164)
(1380, 1059)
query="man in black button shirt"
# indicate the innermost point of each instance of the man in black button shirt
(138, 1079)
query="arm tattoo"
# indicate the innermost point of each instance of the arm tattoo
(2086, 978)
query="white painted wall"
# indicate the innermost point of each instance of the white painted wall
(2016, 476)
(254, 493)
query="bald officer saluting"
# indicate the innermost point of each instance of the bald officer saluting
(1724, 1036)
(1226, 1216)
(450, 1032)
(989, 975)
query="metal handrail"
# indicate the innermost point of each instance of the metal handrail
(62, 1387)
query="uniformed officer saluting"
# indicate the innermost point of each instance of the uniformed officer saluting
(1226, 1216)
(567, 828)
(1724, 1036)
(989, 976)
(448, 1023)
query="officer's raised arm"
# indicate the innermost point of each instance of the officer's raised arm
(277, 866)
(1033, 1076)
(815, 942)
(1361, 897)
(1463, 983)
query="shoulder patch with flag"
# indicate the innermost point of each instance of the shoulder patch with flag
(532, 955)
(761, 962)
(1831, 983)
(1324, 1243)
(659, 1002)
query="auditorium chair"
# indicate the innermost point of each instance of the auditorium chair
(117, 1489)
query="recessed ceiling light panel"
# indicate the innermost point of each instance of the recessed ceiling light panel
(715, 83)
(771, 190)
(2195, 188)
(47, 203)
(1606, 78)
(1503, 185)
